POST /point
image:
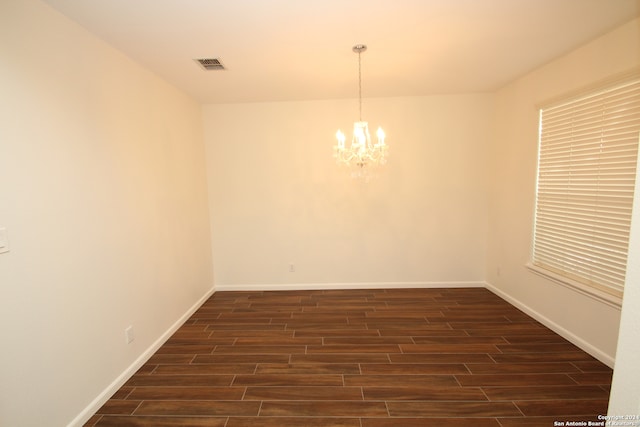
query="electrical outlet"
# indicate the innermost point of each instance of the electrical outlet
(128, 334)
(292, 268)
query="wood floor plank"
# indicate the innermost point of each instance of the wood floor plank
(430, 393)
(323, 409)
(385, 324)
(230, 359)
(308, 368)
(380, 340)
(527, 380)
(521, 332)
(449, 348)
(536, 348)
(288, 380)
(162, 422)
(569, 356)
(206, 369)
(416, 368)
(545, 393)
(254, 315)
(340, 358)
(446, 409)
(425, 332)
(259, 349)
(180, 380)
(602, 378)
(303, 393)
(295, 341)
(441, 358)
(198, 408)
(534, 339)
(253, 326)
(593, 366)
(466, 340)
(354, 348)
(506, 327)
(430, 422)
(186, 349)
(410, 379)
(562, 407)
(169, 359)
(264, 334)
(403, 316)
(522, 368)
(337, 333)
(187, 393)
(119, 407)
(293, 422)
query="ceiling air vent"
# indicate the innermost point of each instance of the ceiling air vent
(210, 64)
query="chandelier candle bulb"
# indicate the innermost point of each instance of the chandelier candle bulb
(380, 134)
(341, 138)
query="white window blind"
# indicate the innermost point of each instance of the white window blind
(586, 176)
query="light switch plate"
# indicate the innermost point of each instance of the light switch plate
(4, 241)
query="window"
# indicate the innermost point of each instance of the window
(588, 150)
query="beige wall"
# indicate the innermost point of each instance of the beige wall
(277, 196)
(103, 195)
(589, 323)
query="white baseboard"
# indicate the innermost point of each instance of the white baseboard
(103, 397)
(326, 286)
(605, 358)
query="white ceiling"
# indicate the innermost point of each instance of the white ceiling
(282, 50)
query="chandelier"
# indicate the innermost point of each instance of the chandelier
(362, 151)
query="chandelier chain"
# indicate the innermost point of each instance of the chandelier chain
(360, 83)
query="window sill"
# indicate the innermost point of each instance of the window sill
(596, 294)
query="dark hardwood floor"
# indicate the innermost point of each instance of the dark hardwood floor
(361, 358)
